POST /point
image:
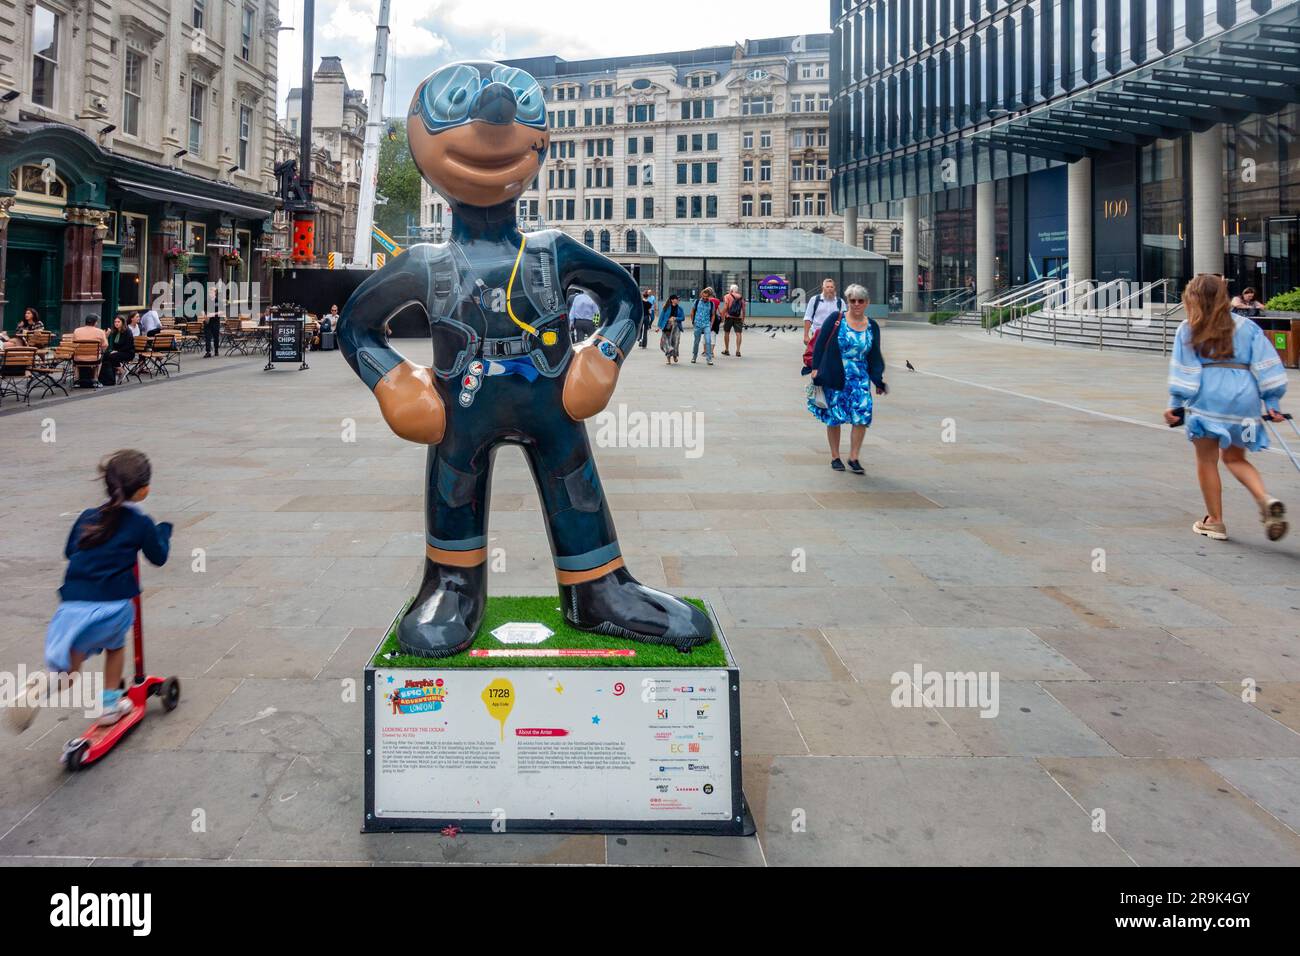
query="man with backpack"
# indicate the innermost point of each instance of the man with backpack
(820, 308)
(733, 318)
(706, 308)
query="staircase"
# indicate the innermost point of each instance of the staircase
(1142, 330)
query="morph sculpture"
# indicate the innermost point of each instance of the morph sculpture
(504, 369)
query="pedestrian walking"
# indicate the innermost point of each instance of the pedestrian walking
(671, 320)
(582, 316)
(845, 360)
(647, 315)
(1223, 374)
(212, 335)
(821, 307)
(703, 314)
(733, 319)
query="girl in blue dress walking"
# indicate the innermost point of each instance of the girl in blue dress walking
(1223, 368)
(845, 362)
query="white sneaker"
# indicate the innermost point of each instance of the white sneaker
(115, 712)
(21, 711)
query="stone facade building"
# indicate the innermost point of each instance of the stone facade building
(136, 143)
(338, 127)
(734, 136)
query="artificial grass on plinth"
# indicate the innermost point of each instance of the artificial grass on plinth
(546, 610)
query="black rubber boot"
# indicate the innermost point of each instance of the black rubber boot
(620, 606)
(444, 618)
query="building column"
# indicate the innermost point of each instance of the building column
(83, 245)
(6, 203)
(911, 301)
(1078, 218)
(1207, 202)
(986, 237)
(851, 236)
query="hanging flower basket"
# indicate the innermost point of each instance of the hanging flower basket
(275, 260)
(178, 257)
(232, 258)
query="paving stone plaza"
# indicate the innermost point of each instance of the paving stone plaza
(1024, 512)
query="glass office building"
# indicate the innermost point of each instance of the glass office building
(1099, 139)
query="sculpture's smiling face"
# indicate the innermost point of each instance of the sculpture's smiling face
(477, 132)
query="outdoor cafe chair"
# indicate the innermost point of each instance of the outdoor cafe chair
(15, 372)
(86, 358)
(162, 353)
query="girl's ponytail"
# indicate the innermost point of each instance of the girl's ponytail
(124, 473)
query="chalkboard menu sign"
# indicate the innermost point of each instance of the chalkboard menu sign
(286, 342)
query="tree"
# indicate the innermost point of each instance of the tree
(399, 182)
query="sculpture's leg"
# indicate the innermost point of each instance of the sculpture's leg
(596, 591)
(447, 611)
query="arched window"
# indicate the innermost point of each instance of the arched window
(604, 240)
(40, 184)
(589, 238)
(896, 241)
(631, 240)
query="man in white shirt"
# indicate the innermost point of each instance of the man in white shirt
(582, 316)
(149, 322)
(820, 308)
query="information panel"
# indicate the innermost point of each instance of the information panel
(529, 749)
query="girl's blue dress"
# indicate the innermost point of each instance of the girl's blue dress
(852, 404)
(1225, 403)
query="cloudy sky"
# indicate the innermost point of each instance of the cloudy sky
(428, 33)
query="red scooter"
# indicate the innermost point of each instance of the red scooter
(97, 741)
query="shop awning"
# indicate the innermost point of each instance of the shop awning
(193, 200)
(1250, 68)
(716, 242)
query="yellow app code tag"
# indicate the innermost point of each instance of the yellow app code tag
(499, 699)
(548, 337)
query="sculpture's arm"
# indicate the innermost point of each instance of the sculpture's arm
(592, 374)
(407, 398)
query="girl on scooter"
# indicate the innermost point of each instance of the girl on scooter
(97, 609)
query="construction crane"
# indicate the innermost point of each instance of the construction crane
(370, 153)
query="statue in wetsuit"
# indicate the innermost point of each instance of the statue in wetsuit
(504, 369)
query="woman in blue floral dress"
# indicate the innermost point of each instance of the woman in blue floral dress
(846, 362)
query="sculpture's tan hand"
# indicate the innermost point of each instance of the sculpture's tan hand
(410, 404)
(589, 382)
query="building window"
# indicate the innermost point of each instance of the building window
(765, 139)
(631, 175)
(132, 90)
(755, 105)
(648, 144)
(648, 207)
(681, 207)
(710, 172)
(697, 173)
(196, 14)
(710, 207)
(45, 54)
(245, 133)
(796, 171)
(869, 240)
(747, 140)
(747, 171)
(246, 33)
(630, 207)
(711, 141)
(896, 241)
(197, 94)
(38, 183)
(746, 206)
(629, 240)
(589, 238)
(631, 144)
(697, 207)
(134, 289)
(765, 171)
(697, 142)
(196, 243)
(765, 204)
(604, 240)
